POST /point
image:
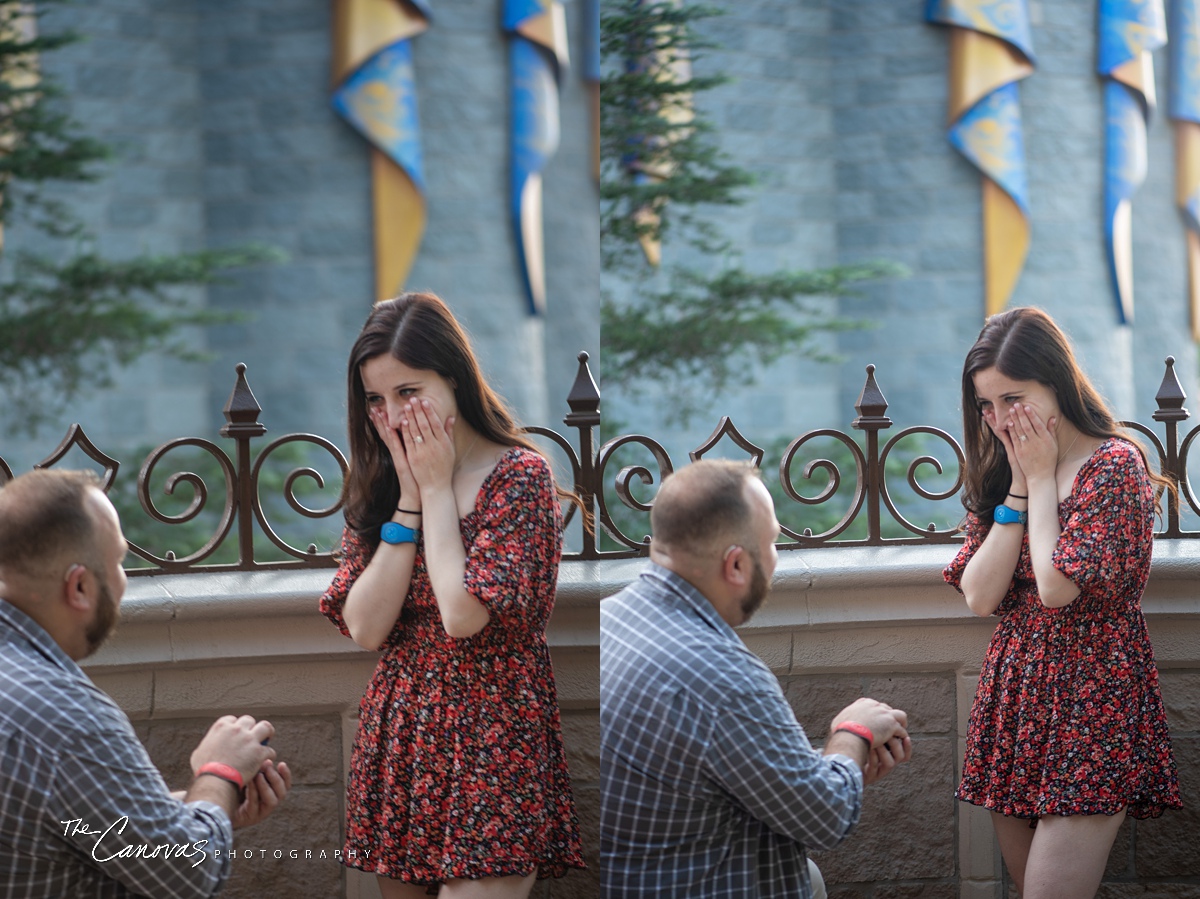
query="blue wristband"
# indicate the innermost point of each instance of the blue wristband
(1002, 514)
(395, 533)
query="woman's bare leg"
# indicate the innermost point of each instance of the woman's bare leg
(1068, 855)
(398, 889)
(515, 887)
(1015, 836)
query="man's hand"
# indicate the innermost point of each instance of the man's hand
(263, 794)
(886, 757)
(881, 719)
(239, 742)
(890, 744)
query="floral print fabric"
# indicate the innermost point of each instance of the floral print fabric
(458, 768)
(1068, 718)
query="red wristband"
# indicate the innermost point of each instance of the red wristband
(225, 772)
(859, 730)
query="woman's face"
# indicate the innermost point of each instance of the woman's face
(391, 385)
(996, 395)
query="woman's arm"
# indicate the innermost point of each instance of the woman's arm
(989, 574)
(377, 595)
(432, 459)
(463, 615)
(1036, 449)
(1055, 589)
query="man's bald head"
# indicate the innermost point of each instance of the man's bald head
(45, 517)
(703, 507)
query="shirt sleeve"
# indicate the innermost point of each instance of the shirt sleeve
(974, 537)
(761, 757)
(114, 812)
(353, 562)
(512, 562)
(1106, 538)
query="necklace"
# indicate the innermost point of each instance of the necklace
(1069, 448)
(463, 458)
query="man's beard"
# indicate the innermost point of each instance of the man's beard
(757, 592)
(104, 622)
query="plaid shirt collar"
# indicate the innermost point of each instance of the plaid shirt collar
(21, 626)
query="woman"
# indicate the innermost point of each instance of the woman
(1067, 734)
(458, 781)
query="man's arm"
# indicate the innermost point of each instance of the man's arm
(761, 757)
(114, 810)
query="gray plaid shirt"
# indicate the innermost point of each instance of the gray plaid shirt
(709, 786)
(83, 810)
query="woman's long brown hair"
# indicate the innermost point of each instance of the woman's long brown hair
(1025, 344)
(420, 331)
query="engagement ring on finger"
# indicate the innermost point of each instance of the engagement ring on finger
(422, 439)
(1022, 439)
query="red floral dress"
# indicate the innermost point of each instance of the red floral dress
(1068, 718)
(458, 769)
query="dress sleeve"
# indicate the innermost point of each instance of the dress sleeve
(354, 560)
(974, 536)
(761, 757)
(1105, 539)
(512, 562)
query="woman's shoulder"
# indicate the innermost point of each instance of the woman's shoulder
(518, 471)
(1118, 451)
(520, 461)
(1116, 460)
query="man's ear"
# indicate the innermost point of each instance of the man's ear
(78, 587)
(733, 566)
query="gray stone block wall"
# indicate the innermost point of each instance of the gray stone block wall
(220, 118)
(840, 110)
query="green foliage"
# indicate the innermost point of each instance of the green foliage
(683, 332)
(66, 326)
(636, 135)
(70, 317)
(703, 335)
(39, 143)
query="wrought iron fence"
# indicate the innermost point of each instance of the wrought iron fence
(870, 494)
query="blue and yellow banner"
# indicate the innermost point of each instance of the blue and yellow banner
(1184, 110)
(375, 92)
(991, 49)
(538, 61)
(1130, 31)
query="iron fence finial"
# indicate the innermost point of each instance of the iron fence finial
(584, 398)
(871, 406)
(242, 409)
(1170, 396)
